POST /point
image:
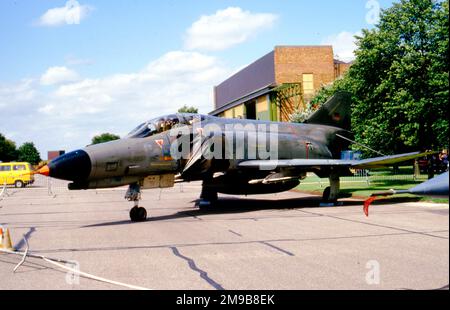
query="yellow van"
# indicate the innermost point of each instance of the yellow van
(17, 174)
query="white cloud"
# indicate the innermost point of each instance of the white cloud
(14, 95)
(226, 28)
(343, 45)
(70, 14)
(58, 75)
(164, 85)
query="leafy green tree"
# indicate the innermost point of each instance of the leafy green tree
(400, 79)
(28, 152)
(104, 137)
(8, 150)
(186, 109)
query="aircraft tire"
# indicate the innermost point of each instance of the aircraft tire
(138, 214)
(209, 195)
(205, 205)
(326, 195)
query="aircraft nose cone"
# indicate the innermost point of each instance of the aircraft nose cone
(74, 166)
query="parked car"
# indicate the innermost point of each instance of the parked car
(17, 174)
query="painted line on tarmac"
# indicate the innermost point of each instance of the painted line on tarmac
(234, 243)
(235, 233)
(277, 248)
(376, 225)
(193, 266)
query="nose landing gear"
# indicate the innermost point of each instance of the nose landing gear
(137, 214)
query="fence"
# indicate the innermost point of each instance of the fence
(372, 177)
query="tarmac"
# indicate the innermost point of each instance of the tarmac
(277, 241)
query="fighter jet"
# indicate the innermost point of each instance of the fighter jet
(230, 156)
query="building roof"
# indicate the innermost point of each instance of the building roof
(255, 94)
(255, 76)
(337, 61)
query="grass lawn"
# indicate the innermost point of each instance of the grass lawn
(362, 187)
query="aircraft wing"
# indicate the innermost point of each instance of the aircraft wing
(387, 160)
(318, 163)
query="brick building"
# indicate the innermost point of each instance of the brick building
(278, 83)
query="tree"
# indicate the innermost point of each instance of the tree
(399, 79)
(27, 152)
(186, 109)
(8, 150)
(104, 137)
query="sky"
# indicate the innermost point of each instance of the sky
(73, 69)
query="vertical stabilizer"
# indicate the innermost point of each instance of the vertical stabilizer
(335, 112)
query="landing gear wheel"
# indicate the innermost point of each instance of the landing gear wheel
(207, 199)
(138, 214)
(205, 205)
(210, 196)
(326, 194)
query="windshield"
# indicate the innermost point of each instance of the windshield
(164, 123)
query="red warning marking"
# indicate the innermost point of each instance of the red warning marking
(367, 205)
(160, 143)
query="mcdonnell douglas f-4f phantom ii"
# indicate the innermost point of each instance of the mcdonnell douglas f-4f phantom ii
(230, 156)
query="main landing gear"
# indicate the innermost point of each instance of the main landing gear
(331, 193)
(208, 198)
(137, 214)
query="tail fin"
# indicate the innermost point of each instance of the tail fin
(335, 112)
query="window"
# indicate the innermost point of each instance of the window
(229, 113)
(261, 105)
(239, 111)
(19, 167)
(308, 83)
(5, 168)
(164, 123)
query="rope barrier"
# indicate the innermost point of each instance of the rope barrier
(57, 262)
(4, 191)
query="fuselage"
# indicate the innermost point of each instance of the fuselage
(171, 145)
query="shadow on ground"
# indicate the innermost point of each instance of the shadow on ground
(231, 205)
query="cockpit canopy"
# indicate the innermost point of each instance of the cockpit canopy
(164, 123)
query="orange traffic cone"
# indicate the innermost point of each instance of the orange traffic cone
(6, 242)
